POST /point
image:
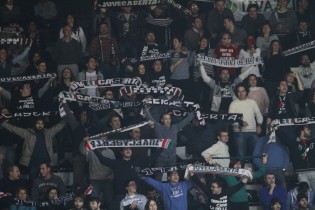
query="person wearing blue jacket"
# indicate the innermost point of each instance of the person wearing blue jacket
(174, 192)
(277, 153)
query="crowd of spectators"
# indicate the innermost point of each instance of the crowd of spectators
(111, 46)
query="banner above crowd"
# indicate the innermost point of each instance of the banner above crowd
(266, 7)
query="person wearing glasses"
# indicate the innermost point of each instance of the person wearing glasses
(133, 200)
(217, 195)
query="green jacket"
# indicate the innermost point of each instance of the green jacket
(241, 195)
(29, 137)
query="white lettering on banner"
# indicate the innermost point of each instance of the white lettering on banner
(106, 3)
(266, 7)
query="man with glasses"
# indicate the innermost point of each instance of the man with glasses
(133, 200)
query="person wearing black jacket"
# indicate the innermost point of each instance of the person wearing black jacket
(124, 168)
(282, 106)
(217, 195)
(304, 161)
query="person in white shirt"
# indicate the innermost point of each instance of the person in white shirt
(245, 133)
(219, 149)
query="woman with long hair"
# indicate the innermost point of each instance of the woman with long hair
(263, 41)
(258, 94)
(77, 31)
(22, 195)
(275, 68)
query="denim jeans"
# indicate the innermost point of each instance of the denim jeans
(245, 143)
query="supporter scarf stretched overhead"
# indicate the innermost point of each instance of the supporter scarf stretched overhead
(231, 63)
(300, 48)
(218, 170)
(102, 143)
(26, 78)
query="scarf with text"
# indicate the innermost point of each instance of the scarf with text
(300, 48)
(199, 169)
(59, 201)
(101, 143)
(287, 122)
(211, 117)
(235, 63)
(96, 103)
(26, 78)
(29, 114)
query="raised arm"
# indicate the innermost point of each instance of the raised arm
(208, 80)
(148, 114)
(185, 121)
(57, 128)
(111, 163)
(22, 132)
(6, 94)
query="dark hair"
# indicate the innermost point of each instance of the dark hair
(39, 61)
(270, 47)
(273, 201)
(219, 182)
(230, 18)
(222, 130)
(240, 85)
(252, 6)
(71, 72)
(299, 129)
(46, 163)
(169, 173)
(21, 85)
(148, 204)
(21, 188)
(228, 33)
(233, 162)
(96, 199)
(216, 1)
(41, 118)
(300, 196)
(264, 24)
(303, 187)
(75, 24)
(128, 181)
(52, 188)
(269, 173)
(194, 19)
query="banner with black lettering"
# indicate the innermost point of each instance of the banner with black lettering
(230, 63)
(102, 143)
(199, 169)
(26, 78)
